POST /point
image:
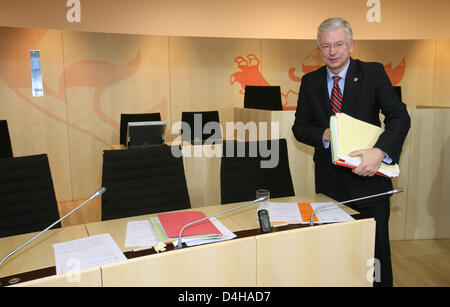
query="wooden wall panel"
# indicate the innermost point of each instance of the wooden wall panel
(206, 74)
(399, 202)
(441, 93)
(36, 124)
(428, 213)
(106, 75)
(285, 62)
(282, 19)
(90, 78)
(409, 64)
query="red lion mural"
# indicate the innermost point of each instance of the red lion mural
(249, 73)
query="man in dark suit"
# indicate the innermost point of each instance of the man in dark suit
(360, 90)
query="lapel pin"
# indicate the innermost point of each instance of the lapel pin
(355, 80)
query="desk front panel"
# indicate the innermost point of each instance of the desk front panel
(224, 264)
(326, 255)
(86, 278)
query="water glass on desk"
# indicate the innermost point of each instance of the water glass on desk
(261, 193)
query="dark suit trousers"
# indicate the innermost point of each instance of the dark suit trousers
(380, 211)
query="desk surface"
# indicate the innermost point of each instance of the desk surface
(39, 254)
(241, 219)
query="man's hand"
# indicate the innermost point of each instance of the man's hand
(370, 161)
(326, 135)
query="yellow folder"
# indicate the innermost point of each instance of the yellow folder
(349, 134)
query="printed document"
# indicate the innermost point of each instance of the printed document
(86, 253)
(226, 235)
(140, 233)
(300, 213)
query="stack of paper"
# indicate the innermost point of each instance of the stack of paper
(85, 253)
(300, 213)
(165, 227)
(172, 222)
(226, 235)
(147, 233)
(349, 134)
(140, 234)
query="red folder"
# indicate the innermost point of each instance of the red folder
(342, 163)
(172, 222)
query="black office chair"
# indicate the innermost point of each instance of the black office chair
(196, 134)
(398, 91)
(27, 197)
(263, 97)
(240, 177)
(142, 181)
(5, 141)
(136, 117)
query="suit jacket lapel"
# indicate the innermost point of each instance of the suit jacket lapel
(322, 89)
(352, 83)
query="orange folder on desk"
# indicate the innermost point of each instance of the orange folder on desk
(306, 211)
(172, 222)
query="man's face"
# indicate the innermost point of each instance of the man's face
(335, 49)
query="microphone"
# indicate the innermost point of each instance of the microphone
(395, 191)
(180, 244)
(98, 193)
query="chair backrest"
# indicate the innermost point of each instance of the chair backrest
(5, 141)
(244, 172)
(196, 133)
(144, 134)
(27, 196)
(263, 97)
(136, 117)
(398, 91)
(142, 181)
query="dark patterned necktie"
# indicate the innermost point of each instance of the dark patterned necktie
(336, 96)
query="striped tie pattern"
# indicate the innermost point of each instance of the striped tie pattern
(336, 96)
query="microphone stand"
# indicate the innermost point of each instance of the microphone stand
(95, 195)
(180, 244)
(311, 222)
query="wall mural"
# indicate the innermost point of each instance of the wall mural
(101, 75)
(15, 72)
(249, 74)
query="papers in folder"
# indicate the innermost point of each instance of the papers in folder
(165, 228)
(172, 223)
(349, 134)
(300, 213)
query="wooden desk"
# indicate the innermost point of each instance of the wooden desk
(118, 227)
(325, 255)
(36, 261)
(229, 263)
(296, 255)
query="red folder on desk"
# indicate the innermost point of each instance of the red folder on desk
(172, 222)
